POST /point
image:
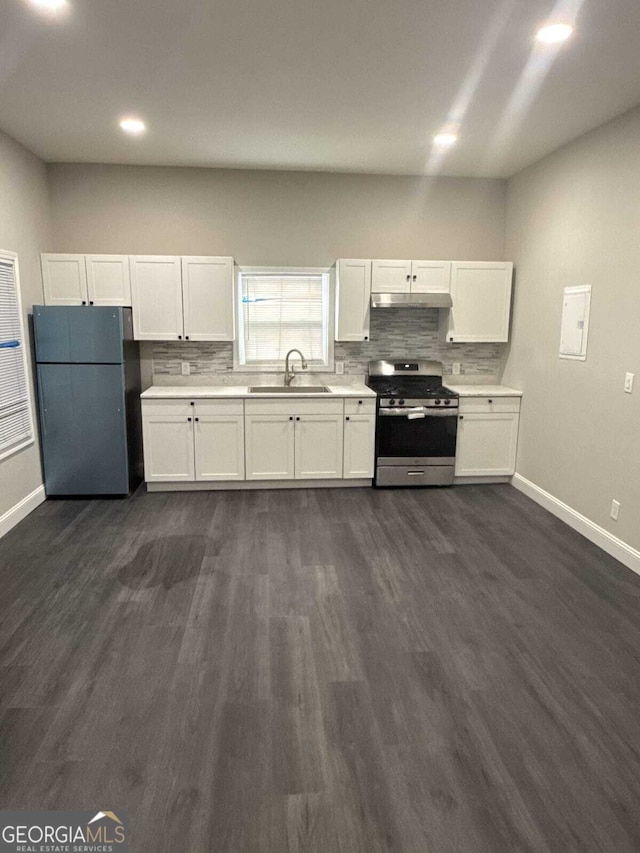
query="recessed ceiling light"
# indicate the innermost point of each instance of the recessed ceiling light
(49, 5)
(446, 138)
(133, 126)
(554, 33)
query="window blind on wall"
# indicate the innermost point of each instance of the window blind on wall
(15, 408)
(282, 312)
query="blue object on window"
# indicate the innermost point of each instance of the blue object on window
(256, 299)
(9, 344)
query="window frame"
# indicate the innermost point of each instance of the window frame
(12, 258)
(329, 309)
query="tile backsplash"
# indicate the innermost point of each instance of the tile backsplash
(394, 333)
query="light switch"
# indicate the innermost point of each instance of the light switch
(186, 368)
(628, 382)
(455, 368)
(339, 367)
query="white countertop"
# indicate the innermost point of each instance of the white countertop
(484, 390)
(164, 392)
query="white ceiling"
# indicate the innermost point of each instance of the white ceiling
(336, 85)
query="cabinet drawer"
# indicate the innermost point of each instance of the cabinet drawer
(219, 407)
(489, 404)
(360, 406)
(300, 406)
(166, 407)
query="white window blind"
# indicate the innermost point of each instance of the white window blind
(16, 428)
(279, 312)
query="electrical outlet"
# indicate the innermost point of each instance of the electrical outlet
(628, 382)
(615, 510)
(455, 368)
(339, 367)
(186, 368)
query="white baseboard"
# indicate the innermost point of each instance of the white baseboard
(627, 555)
(21, 510)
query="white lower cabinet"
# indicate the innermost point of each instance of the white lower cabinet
(189, 440)
(230, 440)
(168, 447)
(219, 447)
(487, 437)
(359, 446)
(318, 447)
(270, 446)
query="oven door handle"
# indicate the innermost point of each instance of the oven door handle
(418, 410)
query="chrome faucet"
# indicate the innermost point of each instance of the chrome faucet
(288, 371)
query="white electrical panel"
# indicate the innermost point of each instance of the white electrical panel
(574, 329)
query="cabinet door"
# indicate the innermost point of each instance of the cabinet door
(359, 446)
(390, 276)
(219, 447)
(353, 300)
(319, 440)
(207, 296)
(156, 292)
(168, 448)
(481, 296)
(430, 276)
(108, 279)
(64, 279)
(269, 447)
(487, 444)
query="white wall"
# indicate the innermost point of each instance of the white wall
(271, 218)
(24, 229)
(574, 218)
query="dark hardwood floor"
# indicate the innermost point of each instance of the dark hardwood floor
(421, 671)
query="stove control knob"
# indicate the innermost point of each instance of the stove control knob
(401, 402)
(447, 402)
(392, 402)
(438, 402)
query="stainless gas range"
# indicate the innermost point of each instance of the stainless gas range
(417, 423)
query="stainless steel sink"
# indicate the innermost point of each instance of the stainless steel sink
(289, 389)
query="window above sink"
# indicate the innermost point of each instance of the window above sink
(279, 309)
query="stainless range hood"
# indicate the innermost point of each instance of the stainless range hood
(411, 300)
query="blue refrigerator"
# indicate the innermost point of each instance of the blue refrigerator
(88, 374)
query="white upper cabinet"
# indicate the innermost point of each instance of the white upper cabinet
(353, 299)
(481, 296)
(390, 276)
(430, 276)
(207, 295)
(108, 279)
(156, 291)
(64, 278)
(410, 276)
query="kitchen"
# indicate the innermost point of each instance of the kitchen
(515, 577)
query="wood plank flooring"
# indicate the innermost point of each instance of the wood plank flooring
(336, 671)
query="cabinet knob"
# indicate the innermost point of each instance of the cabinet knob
(461, 417)
(366, 337)
(196, 419)
(189, 419)
(359, 402)
(179, 337)
(84, 302)
(91, 302)
(297, 419)
(451, 338)
(347, 418)
(415, 277)
(192, 404)
(186, 337)
(491, 401)
(408, 278)
(291, 418)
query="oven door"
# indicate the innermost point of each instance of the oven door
(428, 440)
